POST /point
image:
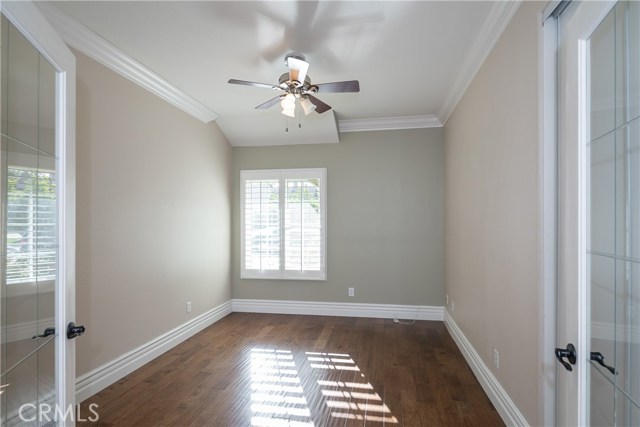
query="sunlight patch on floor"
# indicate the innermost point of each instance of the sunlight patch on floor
(275, 397)
(278, 392)
(344, 402)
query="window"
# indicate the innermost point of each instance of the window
(31, 226)
(283, 224)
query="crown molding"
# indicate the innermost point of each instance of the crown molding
(89, 43)
(389, 123)
(494, 25)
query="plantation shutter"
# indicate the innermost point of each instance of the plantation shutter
(283, 224)
(262, 224)
(31, 227)
(303, 225)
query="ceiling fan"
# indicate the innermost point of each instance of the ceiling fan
(296, 85)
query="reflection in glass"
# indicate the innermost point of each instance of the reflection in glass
(28, 224)
(614, 216)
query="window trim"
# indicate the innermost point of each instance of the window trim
(281, 175)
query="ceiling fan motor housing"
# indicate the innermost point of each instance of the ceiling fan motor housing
(295, 86)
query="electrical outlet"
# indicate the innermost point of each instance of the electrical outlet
(188, 306)
(496, 359)
(352, 292)
(453, 306)
(447, 297)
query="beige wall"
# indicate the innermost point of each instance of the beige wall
(384, 219)
(152, 215)
(491, 207)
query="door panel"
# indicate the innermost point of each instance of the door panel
(613, 60)
(37, 220)
(587, 213)
(29, 223)
(600, 178)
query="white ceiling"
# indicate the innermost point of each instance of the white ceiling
(412, 58)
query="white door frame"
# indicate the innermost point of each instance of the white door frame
(26, 17)
(547, 213)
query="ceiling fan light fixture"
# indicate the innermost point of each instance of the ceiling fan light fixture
(289, 112)
(307, 105)
(298, 68)
(288, 102)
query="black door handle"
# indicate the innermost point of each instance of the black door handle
(47, 332)
(598, 357)
(74, 331)
(569, 353)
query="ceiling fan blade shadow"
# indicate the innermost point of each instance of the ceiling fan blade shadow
(254, 84)
(270, 103)
(346, 86)
(275, 51)
(321, 107)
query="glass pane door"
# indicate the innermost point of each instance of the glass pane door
(613, 248)
(28, 237)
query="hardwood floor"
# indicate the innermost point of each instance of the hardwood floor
(264, 370)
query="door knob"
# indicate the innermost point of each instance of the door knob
(569, 353)
(598, 357)
(74, 331)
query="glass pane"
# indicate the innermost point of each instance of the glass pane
(615, 201)
(627, 411)
(22, 393)
(601, 400)
(46, 107)
(603, 280)
(262, 224)
(4, 72)
(628, 328)
(47, 378)
(602, 73)
(602, 194)
(20, 309)
(628, 195)
(627, 61)
(28, 230)
(303, 225)
(22, 89)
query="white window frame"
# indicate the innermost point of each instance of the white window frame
(282, 175)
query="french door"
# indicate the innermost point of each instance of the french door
(599, 214)
(37, 221)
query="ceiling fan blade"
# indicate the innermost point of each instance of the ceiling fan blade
(254, 84)
(321, 107)
(270, 103)
(297, 69)
(346, 86)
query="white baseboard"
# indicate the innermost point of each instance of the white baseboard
(89, 384)
(382, 311)
(507, 409)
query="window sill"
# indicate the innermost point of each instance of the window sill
(322, 278)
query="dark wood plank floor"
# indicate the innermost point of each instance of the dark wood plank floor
(263, 370)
